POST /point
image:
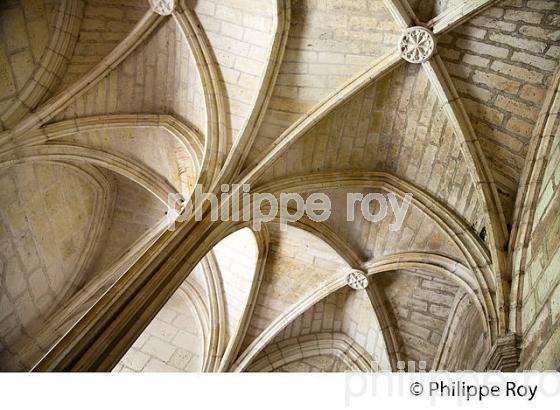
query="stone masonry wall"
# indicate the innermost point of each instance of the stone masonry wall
(240, 33)
(43, 234)
(237, 259)
(105, 23)
(329, 42)
(24, 35)
(501, 63)
(541, 295)
(395, 125)
(298, 263)
(160, 76)
(172, 342)
(419, 306)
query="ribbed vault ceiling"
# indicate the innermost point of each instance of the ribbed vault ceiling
(300, 96)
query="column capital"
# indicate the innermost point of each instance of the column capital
(504, 355)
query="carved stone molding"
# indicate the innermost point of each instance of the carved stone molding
(357, 279)
(162, 7)
(417, 45)
(504, 355)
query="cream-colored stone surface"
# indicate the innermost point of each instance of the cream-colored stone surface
(24, 35)
(47, 242)
(161, 76)
(347, 311)
(541, 282)
(172, 342)
(373, 240)
(154, 148)
(240, 33)
(328, 42)
(298, 263)
(418, 305)
(55, 249)
(107, 106)
(104, 24)
(236, 256)
(502, 62)
(315, 364)
(396, 125)
(467, 351)
(135, 212)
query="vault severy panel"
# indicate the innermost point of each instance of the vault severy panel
(136, 212)
(240, 34)
(236, 256)
(297, 264)
(47, 242)
(176, 340)
(467, 340)
(125, 214)
(371, 240)
(328, 43)
(172, 342)
(418, 305)
(501, 63)
(155, 148)
(24, 35)
(160, 76)
(330, 351)
(322, 363)
(105, 23)
(36, 40)
(345, 311)
(395, 125)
